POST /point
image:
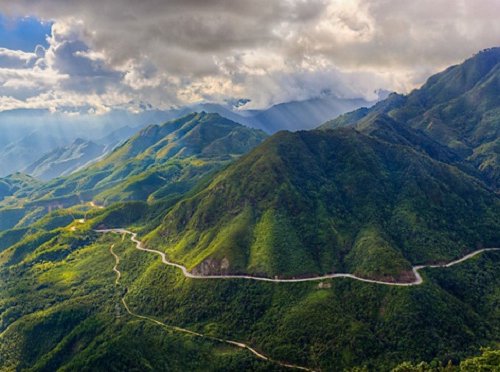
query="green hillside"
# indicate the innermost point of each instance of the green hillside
(458, 108)
(60, 309)
(310, 203)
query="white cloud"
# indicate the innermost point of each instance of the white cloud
(16, 58)
(181, 51)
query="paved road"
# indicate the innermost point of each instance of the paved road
(418, 278)
(240, 345)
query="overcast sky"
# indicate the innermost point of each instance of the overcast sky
(105, 54)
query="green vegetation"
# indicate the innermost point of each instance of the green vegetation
(411, 183)
(60, 310)
(374, 256)
(310, 203)
(159, 159)
(488, 361)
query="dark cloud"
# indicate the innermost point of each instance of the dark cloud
(168, 52)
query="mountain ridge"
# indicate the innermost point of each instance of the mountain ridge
(458, 108)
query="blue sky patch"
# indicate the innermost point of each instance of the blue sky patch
(23, 33)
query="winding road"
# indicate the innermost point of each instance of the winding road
(240, 345)
(418, 278)
(138, 244)
(117, 262)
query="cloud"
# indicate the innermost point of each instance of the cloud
(16, 58)
(182, 51)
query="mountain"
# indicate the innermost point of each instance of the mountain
(13, 189)
(16, 156)
(318, 202)
(64, 160)
(28, 134)
(17, 183)
(160, 159)
(300, 115)
(64, 308)
(117, 137)
(292, 116)
(26, 143)
(374, 196)
(458, 108)
(23, 143)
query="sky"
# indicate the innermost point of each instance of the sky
(94, 56)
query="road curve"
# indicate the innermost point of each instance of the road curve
(240, 345)
(117, 262)
(418, 278)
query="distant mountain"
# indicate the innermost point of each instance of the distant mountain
(16, 183)
(65, 160)
(310, 203)
(117, 137)
(14, 190)
(29, 134)
(292, 116)
(457, 108)
(18, 155)
(300, 115)
(21, 154)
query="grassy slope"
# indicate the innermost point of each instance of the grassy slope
(304, 203)
(175, 154)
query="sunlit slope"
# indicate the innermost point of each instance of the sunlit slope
(158, 162)
(61, 310)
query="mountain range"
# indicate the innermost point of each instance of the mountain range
(158, 161)
(52, 152)
(64, 160)
(311, 203)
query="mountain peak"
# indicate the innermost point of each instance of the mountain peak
(165, 158)
(493, 52)
(203, 117)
